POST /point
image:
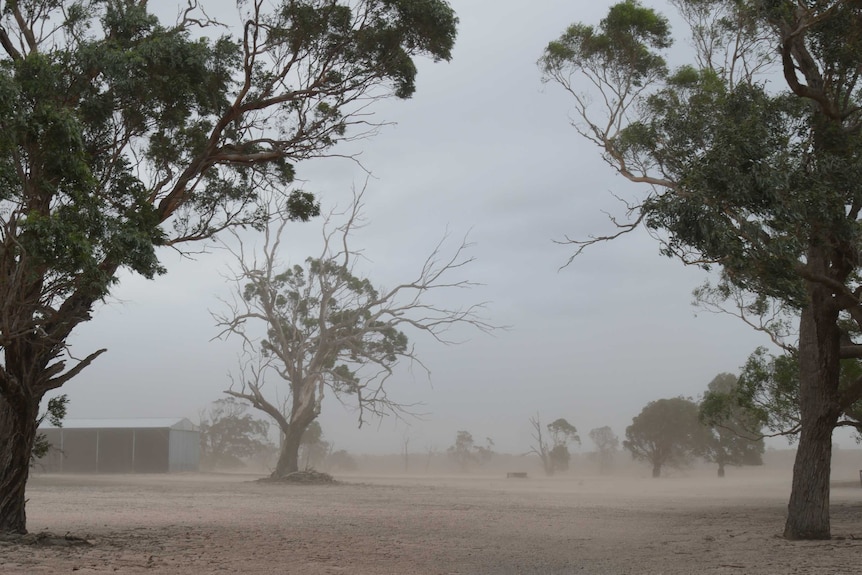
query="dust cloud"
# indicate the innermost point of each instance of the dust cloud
(381, 519)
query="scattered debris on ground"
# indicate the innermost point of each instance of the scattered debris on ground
(307, 477)
(42, 539)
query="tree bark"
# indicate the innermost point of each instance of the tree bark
(656, 469)
(301, 417)
(819, 369)
(288, 458)
(17, 433)
(721, 469)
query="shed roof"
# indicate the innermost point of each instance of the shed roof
(182, 424)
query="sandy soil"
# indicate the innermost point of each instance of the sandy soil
(431, 526)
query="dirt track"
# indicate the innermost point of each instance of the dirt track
(484, 525)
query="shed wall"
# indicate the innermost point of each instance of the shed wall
(121, 451)
(184, 450)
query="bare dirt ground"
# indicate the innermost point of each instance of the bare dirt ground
(189, 524)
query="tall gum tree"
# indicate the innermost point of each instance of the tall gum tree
(120, 134)
(750, 158)
(319, 329)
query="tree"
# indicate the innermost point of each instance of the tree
(667, 432)
(465, 453)
(341, 460)
(55, 413)
(313, 449)
(229, 435)
(329, 330)
(607, 443)
(554, 455)
(734, 436)
(120, 134)
(759, 179)
(768, 391)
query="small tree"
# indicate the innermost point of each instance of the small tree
(733, 433)
(229, 435)
(341, 460)
(554, 454)
(607, 443)
(55, 413)
(327, 329)
(667, 432)
(465, 453)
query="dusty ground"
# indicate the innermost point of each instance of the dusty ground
(192, 524)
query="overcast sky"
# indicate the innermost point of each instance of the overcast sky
(483, 147)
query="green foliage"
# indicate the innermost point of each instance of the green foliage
(667, 432)
(466, 453)
(55, 413)
(623, 44)
(768, 394)
(327, 319)
(760, 177)
(734, 432)
(607, 443)
(313, 449)
(554, 454)
(562, 434)
(229, 435)
(120, 134)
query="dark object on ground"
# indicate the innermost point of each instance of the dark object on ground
(516, 475)
(309, 477)
(42, 539)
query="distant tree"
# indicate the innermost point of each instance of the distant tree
(120, 133)
(607, 443)
(229, 435)
(341, 460)
(55, 413)
(733, 433)
(313, 449)
(667, 432)
(768, 389)
(465, 453)
(554, 453)
(327, 330)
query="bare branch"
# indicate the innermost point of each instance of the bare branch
(324, 330)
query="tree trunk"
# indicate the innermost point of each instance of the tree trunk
(288, 459)
(656, 469)
(17, 433)
(819, 365)
(721, 469)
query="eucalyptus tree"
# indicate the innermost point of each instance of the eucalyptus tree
(229, 435)
(734, 435)
(318, 328)
(607, 443)
(554, 454)
(120, 133)
(749, 158)
(667, 432)
(767, 392)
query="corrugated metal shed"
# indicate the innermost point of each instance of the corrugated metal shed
(152, 445)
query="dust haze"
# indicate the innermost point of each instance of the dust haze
(431, 519)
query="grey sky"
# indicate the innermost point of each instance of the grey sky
(485, 148)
